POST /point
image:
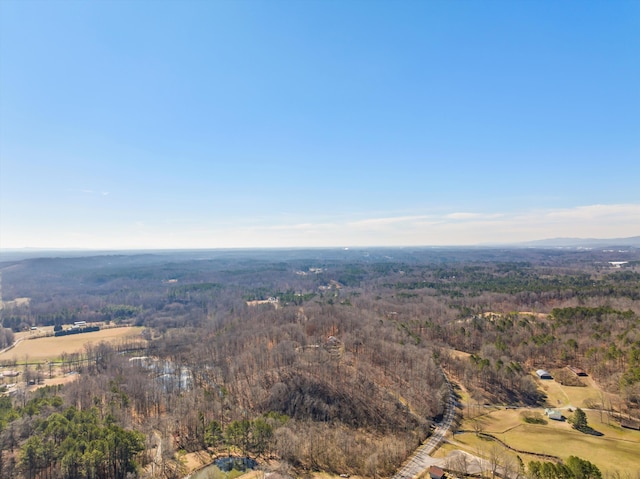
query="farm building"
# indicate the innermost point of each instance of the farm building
(436, 473)
(542, 374)
(577, 371)
(553, 414)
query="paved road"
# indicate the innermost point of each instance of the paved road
(421, 458)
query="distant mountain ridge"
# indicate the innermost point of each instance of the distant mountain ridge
(633, 241)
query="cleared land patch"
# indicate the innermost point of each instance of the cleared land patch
(616, 450)
(480, 447)
(608, 453)
(15, 302)
(561, 396)
(50, 348)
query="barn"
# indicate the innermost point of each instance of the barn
(577, 371)
(542, 374)
(554, 414)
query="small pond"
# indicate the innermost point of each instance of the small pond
(220, 466)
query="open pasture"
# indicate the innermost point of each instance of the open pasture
(559, 395)
(616, 450)
(50, 348)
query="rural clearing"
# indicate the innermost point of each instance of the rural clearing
(616, 450)
(51, 347)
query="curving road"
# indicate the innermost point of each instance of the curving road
(11, 346)
(421, 458)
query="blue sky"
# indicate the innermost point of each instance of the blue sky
(193, 124)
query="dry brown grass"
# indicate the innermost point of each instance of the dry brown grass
(559, 395)
(15, 302)
(458, 354)
(50, 348)
(58, 380)
(616, 450)
(195, 460)
(42, 331)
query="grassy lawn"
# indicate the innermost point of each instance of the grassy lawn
(50, 348)
(480, 446)
(496, 421)
(563, 396)
(618, 449)
(608, 453)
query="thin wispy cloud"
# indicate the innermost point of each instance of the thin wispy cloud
(458, 228)
(598, 212)
(472, 216)
(300, 227)
(441, 229)
(387, 221)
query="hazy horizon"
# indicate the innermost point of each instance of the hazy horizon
(205, 125)
(546, 243)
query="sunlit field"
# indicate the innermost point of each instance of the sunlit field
(50, 348)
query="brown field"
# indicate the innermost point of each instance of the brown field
(15, 302)
(256, 302)
(458, 354)
(41, 331)
(50, 348)
(493, 314)
(193, 461)
(58, 379)
(536, 315)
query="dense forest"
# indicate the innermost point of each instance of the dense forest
(331, 360)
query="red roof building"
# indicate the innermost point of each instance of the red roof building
(436, 473)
